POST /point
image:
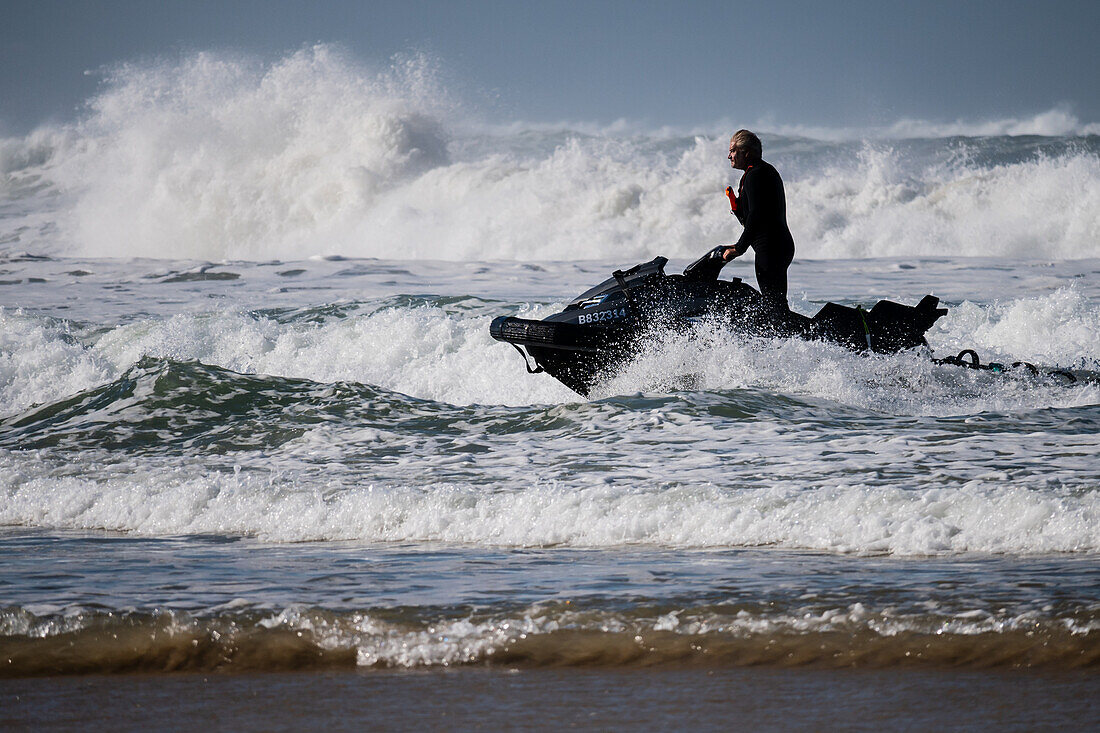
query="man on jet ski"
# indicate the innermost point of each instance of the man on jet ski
(761, 207)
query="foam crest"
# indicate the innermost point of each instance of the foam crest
(1052, 122)
(581, 199)
(880, 205)
(40, 361)
(1061, 328)
(1055, 122)
(547, 635)
(217, 157)
(978, 516)
(425, 352)
(228, 158)
(445, 354)
(712, 358)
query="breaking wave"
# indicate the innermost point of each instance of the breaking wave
(215, 157)
(546, 635)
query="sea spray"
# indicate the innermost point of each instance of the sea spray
(223, 157)
(438, 348)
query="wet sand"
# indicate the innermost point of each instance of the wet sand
(730, 699)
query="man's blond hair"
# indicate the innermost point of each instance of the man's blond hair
(749, 142)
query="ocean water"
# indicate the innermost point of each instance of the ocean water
(251, 418)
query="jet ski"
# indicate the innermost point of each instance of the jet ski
(602, 328)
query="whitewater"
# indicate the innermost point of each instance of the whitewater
(244, 343)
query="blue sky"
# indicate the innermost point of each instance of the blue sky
(849, 63)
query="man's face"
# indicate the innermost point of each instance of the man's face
(736, 156)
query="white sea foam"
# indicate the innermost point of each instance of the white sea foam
(979, 516)
(431, 352)
(40, 362)
(1059, 121)
(462, 641)
(907, 383)
(1062, 327)
(215, 157)
(805, 634)
(423, 352)
(766, 477)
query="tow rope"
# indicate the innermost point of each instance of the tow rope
(969, 358)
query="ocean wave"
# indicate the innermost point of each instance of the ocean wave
(547, 635)
(1062, 328)
(791, 423)
(946, 515)
(215, 157)
(1056, 122)
(41, 360)
(439, 349)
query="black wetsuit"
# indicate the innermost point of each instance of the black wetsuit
(762, 209)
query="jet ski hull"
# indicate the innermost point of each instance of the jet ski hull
(601, 330)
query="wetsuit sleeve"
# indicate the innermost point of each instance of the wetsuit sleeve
(748, 208)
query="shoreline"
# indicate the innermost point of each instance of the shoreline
(893, 699)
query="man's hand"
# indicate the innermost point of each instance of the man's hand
(730, 253)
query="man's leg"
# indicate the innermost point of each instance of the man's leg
(771, 276)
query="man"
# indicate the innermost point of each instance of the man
(761, 207)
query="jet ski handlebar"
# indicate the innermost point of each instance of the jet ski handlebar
(708, 266)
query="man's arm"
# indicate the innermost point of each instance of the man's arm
(748, 210)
